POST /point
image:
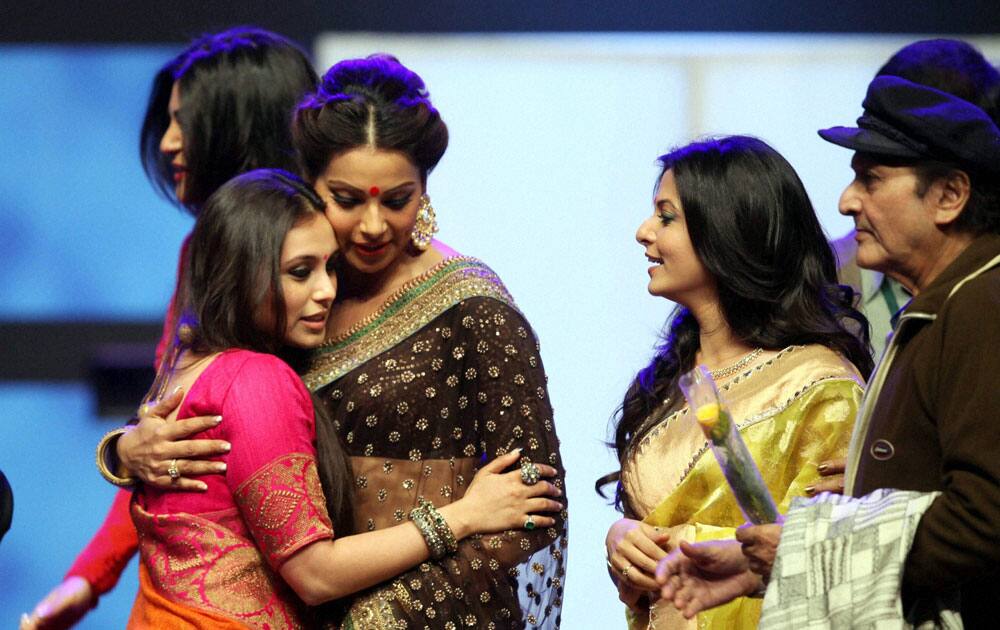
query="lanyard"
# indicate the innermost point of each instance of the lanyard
(890, 298)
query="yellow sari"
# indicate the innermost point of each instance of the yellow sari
(793, 411)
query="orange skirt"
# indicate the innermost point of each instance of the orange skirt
(153, 610)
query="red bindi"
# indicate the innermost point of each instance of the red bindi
(374, 191)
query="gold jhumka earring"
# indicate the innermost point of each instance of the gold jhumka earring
(426, 225)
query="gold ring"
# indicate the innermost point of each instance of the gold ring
(625, 570)
(172, 471)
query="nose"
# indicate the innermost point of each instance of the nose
(326, 289)
(172, 140)
(850, 202)
(373, 224)
(646, 234)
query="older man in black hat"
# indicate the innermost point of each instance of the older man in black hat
(926, 204)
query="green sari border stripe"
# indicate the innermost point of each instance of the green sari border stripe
(406, 298)
(455, 281)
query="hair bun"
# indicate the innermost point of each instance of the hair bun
(379, 75)
(185, 334)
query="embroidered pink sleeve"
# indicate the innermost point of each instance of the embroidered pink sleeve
(284, 507)
(271, 470)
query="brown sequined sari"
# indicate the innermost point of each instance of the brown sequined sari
(445, 376)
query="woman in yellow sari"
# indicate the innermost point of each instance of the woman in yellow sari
(734, 241)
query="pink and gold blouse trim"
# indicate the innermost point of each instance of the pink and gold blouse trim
(284, 507)
(222, 562)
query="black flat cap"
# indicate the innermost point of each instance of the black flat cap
(908, 120)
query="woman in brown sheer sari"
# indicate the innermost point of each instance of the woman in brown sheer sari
(429, 369)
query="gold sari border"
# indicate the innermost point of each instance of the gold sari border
(411, 308)
(739, 378)
(765, 415)
(834, 372)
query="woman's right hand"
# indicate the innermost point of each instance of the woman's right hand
(62, 608)
(498, 501)
(634, 548)
(148, 450)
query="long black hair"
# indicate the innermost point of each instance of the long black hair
(375, 102)
(238, 90)
(754, 229)
(233, 268)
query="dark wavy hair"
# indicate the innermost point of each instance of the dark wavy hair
(233, 265)
(754, 229)
(372, 102)
(238, 89)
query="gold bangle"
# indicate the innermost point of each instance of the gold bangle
(111, 437)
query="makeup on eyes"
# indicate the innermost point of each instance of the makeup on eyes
(665, 205)
(301, 267)
(372, 191)
(666, 211)
(665, 217)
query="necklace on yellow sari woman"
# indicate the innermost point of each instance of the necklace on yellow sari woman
(739, 365)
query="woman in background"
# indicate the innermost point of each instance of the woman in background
(734, 242)
(219, 108)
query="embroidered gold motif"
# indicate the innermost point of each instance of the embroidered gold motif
(200, 563)
(284, 507)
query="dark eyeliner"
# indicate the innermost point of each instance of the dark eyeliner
(397, 204)
(344, 201)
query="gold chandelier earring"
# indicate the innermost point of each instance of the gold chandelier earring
(426, 225)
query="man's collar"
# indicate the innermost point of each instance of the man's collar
(871, 284)
(978, 253)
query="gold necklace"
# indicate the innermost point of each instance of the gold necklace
(739, 365)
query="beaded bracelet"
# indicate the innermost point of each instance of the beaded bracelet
(434, 528)
(103, 447)
(422, 519)
(441, 527)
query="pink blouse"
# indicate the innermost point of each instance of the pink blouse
(219, 550)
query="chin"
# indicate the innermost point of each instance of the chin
(657, 292)
(868, 259)
(370, 267)
(306, 341)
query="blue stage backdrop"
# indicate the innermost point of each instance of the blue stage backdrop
(84, 236)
